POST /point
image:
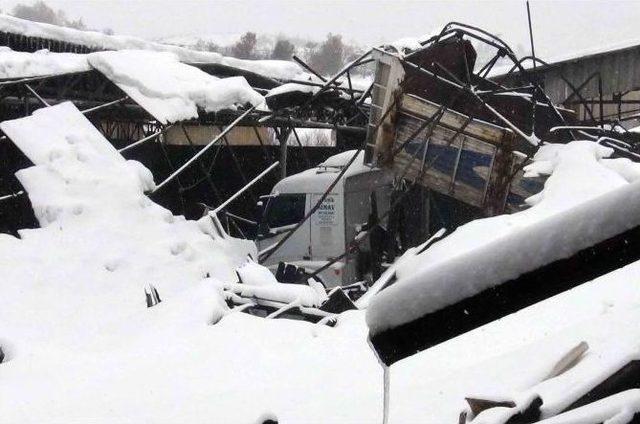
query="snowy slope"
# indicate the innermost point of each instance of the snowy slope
(588, 198)
(168, 89)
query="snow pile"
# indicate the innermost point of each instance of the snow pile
(405, 45)
(587, 199)
(80, 343)
(511, 358)
(98, 41)
(259, 283)
(168, 89)
(292, 88)
(102, 240)
(20, 64)
(618, 409)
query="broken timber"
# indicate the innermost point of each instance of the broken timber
(453, 131)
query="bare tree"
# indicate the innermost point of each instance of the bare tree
(41, 12)
(330, 56)
(38, 12)
(245, 48)
(283, 49)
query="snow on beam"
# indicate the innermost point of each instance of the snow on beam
(169, 90)
(25, 65)
(80, 182)
(443, 323)
(48, 132)
(622, 407)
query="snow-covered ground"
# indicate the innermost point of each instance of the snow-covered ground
(80, 343)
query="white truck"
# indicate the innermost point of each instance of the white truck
(340, 217)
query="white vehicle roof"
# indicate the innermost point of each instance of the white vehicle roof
(318, 179)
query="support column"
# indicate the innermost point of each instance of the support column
(283, 135)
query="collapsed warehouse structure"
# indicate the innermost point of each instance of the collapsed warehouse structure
(438, 122)
(432, 119)
(32, 79)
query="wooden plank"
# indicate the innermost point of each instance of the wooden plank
(425, 109)
(473, 171)
(439, 181)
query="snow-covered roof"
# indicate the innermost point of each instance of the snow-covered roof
(602, 49)
(169, 90)
(318, 179)
(515, 358)
(21, 64)
(588, 198)
(98, 41)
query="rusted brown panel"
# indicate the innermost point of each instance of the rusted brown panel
(387, 133)
(448, 54)
(500, 178)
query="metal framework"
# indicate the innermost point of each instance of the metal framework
(129, 126)
(335, 104)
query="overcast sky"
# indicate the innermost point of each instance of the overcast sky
(560, 27)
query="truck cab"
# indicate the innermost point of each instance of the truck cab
(326, 234)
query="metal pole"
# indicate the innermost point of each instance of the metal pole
(143, 140)
(601, 103)
(205, 149)
(535, 91)
(531, 139)
(206, 173)
(92, 109)
(245, 188)
(304, 152)
(12, 195)
(282, 136)
(43, 101)
(338, 75)
(308, 68)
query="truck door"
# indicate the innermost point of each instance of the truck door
(282, 213)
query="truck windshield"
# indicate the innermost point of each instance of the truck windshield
(285, 209)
